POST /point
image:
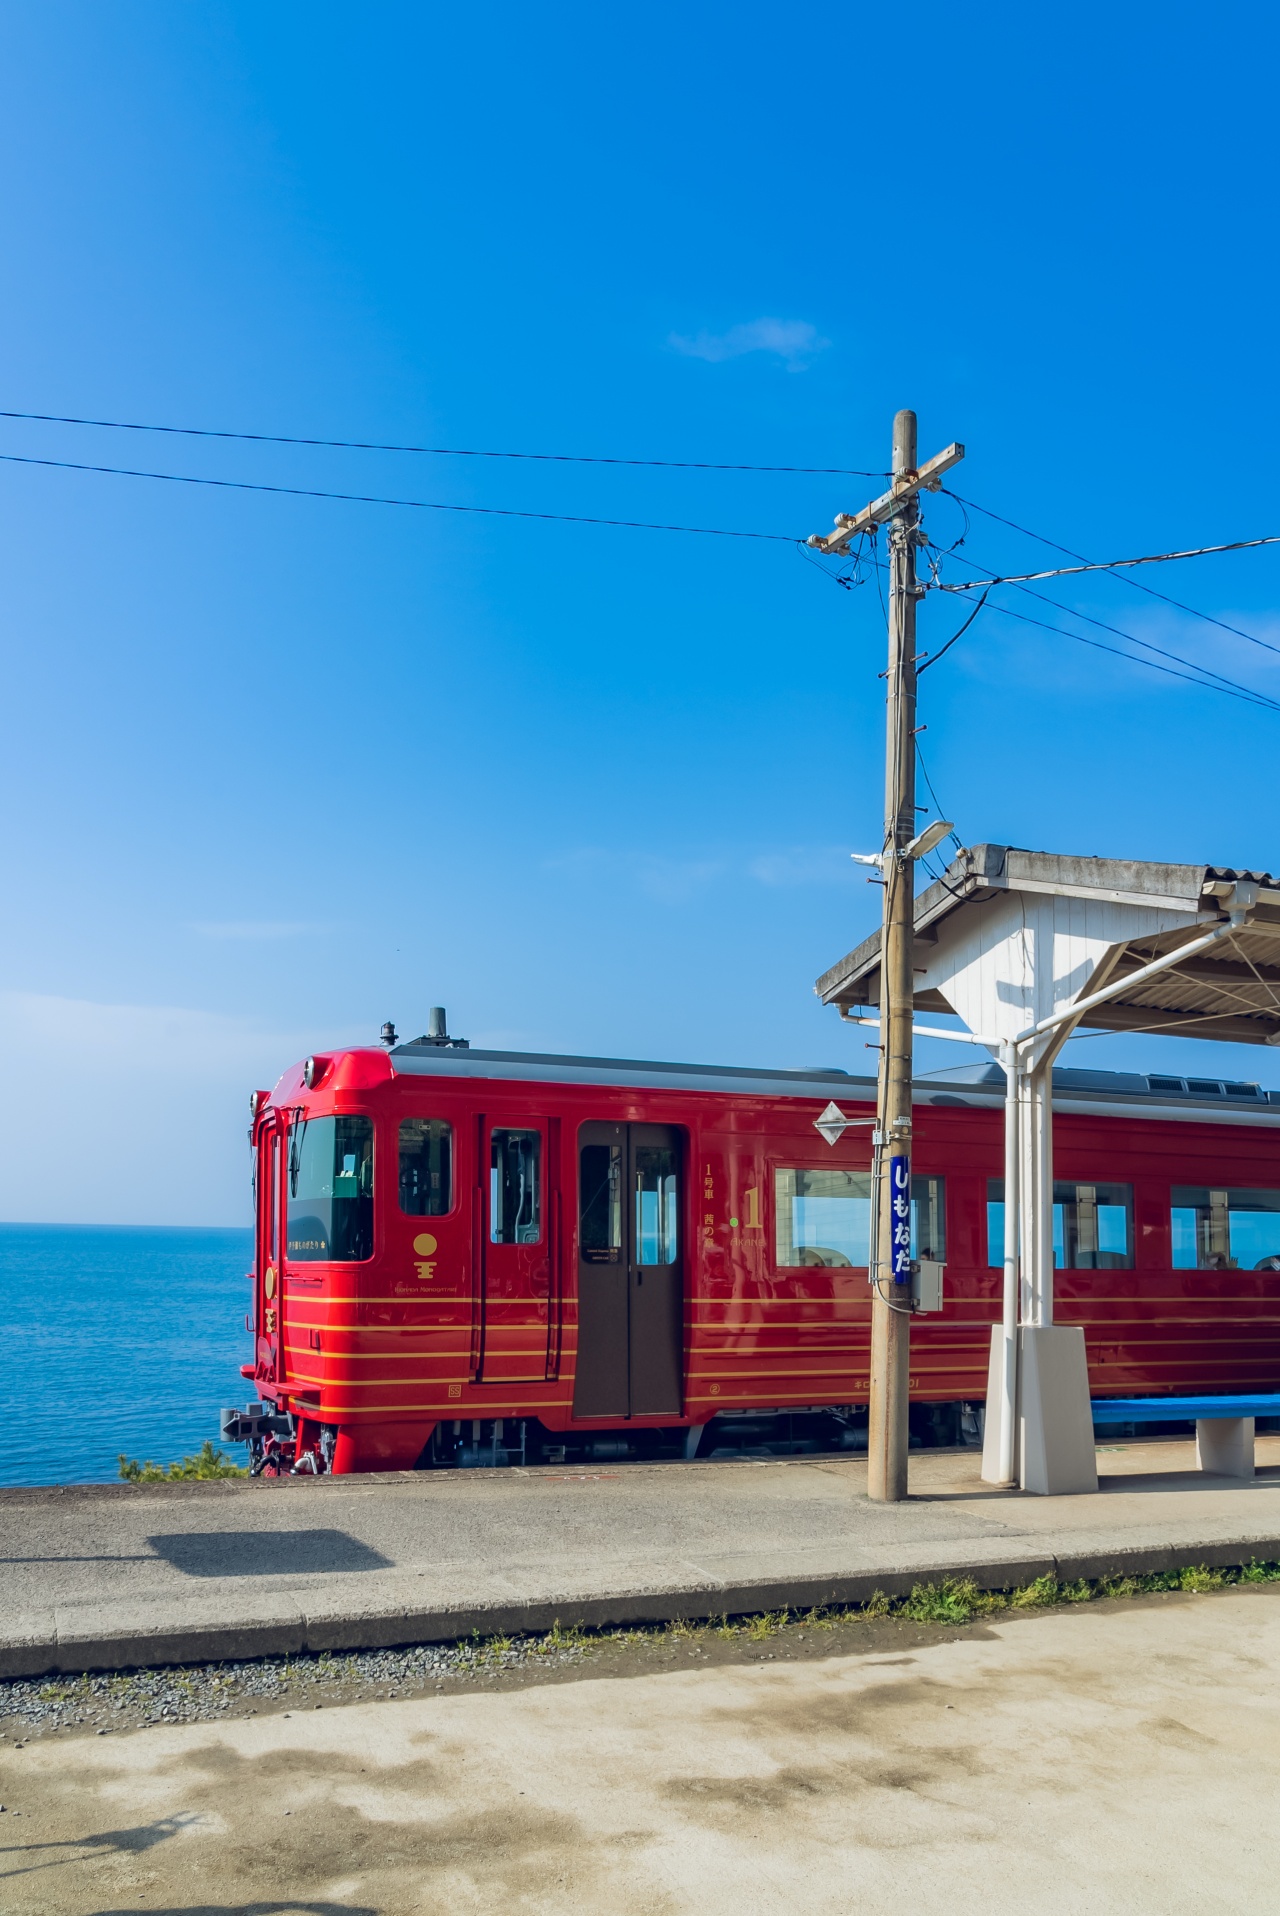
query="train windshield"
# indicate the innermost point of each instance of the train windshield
(330, 1190)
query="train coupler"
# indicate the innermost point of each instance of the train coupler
(254, 1423)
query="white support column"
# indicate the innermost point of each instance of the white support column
(1000, 1435)
(1040, 1103)
(1028, 1213)
(1055, 1424)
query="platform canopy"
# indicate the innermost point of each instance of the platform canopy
(1009, 937)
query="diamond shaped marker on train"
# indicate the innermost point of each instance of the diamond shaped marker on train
(832, 1123)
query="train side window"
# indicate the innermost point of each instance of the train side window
(1092, 1225)
(824, 1217)
(600, 1203)
(515, 1198)
(929, 1218)
(329, 1215)
(1225, 1230)
(426, 1167)
(657, 1204)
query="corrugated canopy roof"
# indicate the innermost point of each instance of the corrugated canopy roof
(1231, 991)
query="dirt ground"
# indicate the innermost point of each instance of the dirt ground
(1118, 1756)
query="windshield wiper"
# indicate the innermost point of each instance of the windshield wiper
(297, 1131)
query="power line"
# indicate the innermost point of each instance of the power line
(1196, 674)
(1111, 565)
(373, 499)
(1148, 645)
(1228, 691)
(1213, 680)
(443, 452)
(1139, 585)
(935, 656)
(1206, 679)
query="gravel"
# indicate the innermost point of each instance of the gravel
(204, 1692)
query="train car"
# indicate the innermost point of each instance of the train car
(472, 1257)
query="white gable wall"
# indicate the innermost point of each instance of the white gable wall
(1005, 965)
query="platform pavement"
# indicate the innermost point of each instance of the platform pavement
(113, 1576)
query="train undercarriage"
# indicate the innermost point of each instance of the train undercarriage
(281, 1444)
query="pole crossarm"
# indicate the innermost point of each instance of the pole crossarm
(850, 525)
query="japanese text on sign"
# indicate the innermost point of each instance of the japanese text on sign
(900, 1211)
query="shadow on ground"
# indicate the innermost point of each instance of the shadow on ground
(243, 1909)
(266, 1553)
(128, 1842)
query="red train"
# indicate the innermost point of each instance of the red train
(470, 1256)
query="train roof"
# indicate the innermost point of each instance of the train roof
(976, 1084)
(433, 1058)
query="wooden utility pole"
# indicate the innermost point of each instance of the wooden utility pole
(887, 1437)
(890, 1381)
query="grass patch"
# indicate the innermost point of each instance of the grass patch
(952, 1601)
(1032, 1596)
(767, 1624)
(207, 1464)
(957, 1600)
(1199, 1577)
(560, 1639)
(680, 1629)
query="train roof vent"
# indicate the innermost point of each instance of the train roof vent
(437, 1032)
(1204, 1087)
(1242, 1090)
(1087, 1078)
(969, 1074)
(1176, 1085)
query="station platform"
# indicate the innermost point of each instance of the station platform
(115, 1576)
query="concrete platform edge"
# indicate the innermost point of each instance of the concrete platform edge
(48, 1653)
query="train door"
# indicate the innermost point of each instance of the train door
(515, 1251)
(267, 1365)
(630, 1272)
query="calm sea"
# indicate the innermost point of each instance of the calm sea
(117, 1340)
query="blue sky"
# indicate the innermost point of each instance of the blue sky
(277, 769)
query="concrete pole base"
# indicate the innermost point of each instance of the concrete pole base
(992, 1471)
(1058, 1458)
(1225, 1445)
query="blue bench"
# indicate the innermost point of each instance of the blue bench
(1224, 1425)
